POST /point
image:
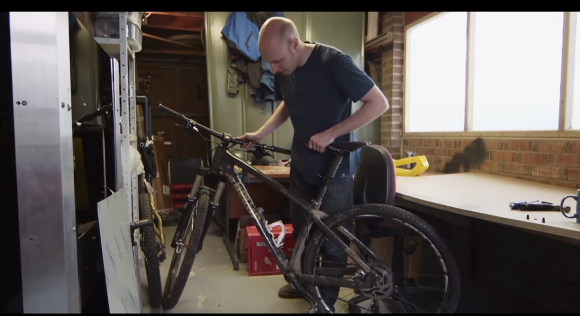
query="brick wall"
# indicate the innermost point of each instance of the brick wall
(392, 81)
(555, 162)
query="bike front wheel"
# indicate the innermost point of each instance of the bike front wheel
(417, 272)
(180, 269)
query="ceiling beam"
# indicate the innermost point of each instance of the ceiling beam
(173, 52)
(197, 15)
(177, 23)
(166, 40)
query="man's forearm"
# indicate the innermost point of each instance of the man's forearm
(370, 111)
(276, 120)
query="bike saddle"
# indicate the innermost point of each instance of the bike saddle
(349, 146)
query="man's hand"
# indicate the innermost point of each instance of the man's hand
(251, 138)
(320, 141)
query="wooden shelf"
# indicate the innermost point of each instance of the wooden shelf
(374, 46)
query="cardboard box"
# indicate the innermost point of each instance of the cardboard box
(140, 120)
(163, 200)
(260, 260)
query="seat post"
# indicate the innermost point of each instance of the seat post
(330, 173)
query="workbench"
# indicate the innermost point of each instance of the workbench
(487, 197)
(465, 199)
(262, 195)
(499, 250)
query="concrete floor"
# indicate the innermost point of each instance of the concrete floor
(215, 287)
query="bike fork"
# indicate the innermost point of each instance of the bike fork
(187, 213)
(213, 206)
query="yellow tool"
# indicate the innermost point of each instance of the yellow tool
(421, 165)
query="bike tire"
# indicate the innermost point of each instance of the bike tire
(451, 299)
(172, 294)
(151, 253)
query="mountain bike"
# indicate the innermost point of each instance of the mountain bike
(364, 274)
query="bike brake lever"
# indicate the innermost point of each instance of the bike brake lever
(260, 153)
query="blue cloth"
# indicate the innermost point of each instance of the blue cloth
(266, 93)
(244, 34)
(72, 19)
(242, 30)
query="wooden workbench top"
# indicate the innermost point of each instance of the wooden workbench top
(274, 171)
(487, 197)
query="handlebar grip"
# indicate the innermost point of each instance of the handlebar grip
(170, 111)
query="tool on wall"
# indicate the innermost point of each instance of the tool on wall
(537, 206)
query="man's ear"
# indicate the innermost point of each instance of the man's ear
(294, 43)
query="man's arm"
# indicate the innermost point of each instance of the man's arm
(357, 85)
(279, 117)
(374, 105)
(276, 120)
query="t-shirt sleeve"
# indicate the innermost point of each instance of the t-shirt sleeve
(349, 78)
(277, 93)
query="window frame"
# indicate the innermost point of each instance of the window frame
(566, 86)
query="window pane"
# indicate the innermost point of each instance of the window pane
(517, 70)
(576, 73)
(435, 74)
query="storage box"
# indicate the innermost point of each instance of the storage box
(107, 25)
(260, 260)
(241, 239)
(163, 200)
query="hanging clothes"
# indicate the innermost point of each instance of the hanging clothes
(266, 90)
(241, 32)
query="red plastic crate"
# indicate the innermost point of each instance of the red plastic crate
(260, 261)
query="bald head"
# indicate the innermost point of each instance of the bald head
(276, 31)
(280, 45)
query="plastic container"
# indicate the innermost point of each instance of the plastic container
(107, 25)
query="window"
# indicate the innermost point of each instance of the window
(492, 71)
(575, 120)
(435, 74)
(517, 70)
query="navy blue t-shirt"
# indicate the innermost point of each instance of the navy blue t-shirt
(318, 96)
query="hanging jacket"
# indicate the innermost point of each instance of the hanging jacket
(243, 34)
(243, 29)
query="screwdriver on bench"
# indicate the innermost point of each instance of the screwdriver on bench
(533, 206)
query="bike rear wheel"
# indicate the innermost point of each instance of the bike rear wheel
(150, 251)
(179, 270)
(403, 287)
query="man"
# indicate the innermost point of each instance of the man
(317, 85)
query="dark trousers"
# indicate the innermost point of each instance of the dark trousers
(338, 197)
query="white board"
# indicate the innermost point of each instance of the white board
(118, 259)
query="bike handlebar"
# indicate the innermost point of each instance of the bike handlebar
(91, 116)
(221, 136)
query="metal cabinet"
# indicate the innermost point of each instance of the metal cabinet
(241, 113)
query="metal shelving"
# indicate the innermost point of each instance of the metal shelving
(125, 121)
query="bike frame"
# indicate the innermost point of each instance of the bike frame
(222, 169)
